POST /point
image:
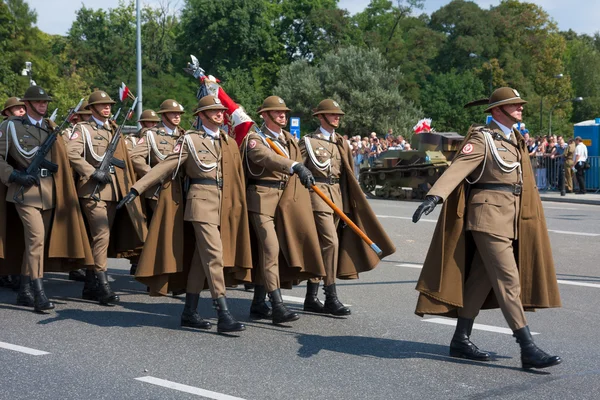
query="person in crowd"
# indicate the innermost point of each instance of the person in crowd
(569, 157)
(557, 157)
(580, 163)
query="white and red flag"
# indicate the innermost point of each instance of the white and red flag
(124, 92)
(423, 125)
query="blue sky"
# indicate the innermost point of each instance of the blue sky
(56, 16)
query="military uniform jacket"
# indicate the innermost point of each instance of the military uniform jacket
(322, 157)
(200, 158)
(86, 149)
(568, 154)
(19, 141)
(262, 163)
(152, 147)
(490, 211)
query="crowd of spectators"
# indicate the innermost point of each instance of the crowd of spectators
(546, 154)
(367, 149)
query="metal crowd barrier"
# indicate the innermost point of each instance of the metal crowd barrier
(546, 171)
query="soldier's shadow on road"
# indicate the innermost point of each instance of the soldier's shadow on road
(363, 346)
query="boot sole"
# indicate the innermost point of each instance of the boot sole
(531, 366)
(230, 330)
(315, 310)
(260, 316)
(206, 327)
(460, 354)
(283, 321)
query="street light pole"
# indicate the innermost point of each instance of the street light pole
(557, 76)
(474, 55)
(139, 60)
(576, 99)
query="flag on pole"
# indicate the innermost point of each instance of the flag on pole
(124, 92)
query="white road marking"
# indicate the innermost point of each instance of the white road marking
(576, 283)
(481, 327)
(300, 300)
(408, 218)
(574, 233)
(22, 349)
(560, 208)
(186, 389)
(561, 281)
(406, 265)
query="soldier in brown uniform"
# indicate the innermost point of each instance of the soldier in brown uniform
(205, 155)
(568, 165)
(48, 235)
(155, 144)
(328, 156)
(13, 107)
(269, 175)
(87, 147)
(148, 120)
(498, 194)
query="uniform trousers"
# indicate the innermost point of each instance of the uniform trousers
(268, 250)
(327, 224)
(36, 225)
(210, 251)
(100, 216)
(494, 267)
(568, 176)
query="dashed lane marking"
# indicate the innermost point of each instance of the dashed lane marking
(549, 230)
(300, 300)
(481, 327)
(186, 389)
(22, 349)
(561, 281)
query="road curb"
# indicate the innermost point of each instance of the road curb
(570, 199)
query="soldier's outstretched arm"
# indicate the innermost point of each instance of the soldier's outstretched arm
(262, 155)
(164, 169)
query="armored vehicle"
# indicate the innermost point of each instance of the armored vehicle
(399, 174)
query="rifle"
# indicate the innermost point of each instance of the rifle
(114, 117)
(53, 116)
(109, 159)
(39, 161)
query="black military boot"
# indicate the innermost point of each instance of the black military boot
(281, 314)
(190, 316)
(461, 346)
(311, 301)
(40, 302)
(89, 286)
(25, 296)
(259, 308)
(103, 292)
(16, 282)
(531, 355)
(332, 304)
(78, 275)
(226, 321)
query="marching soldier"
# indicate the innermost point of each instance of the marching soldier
(568, 165)
(491, 206)
(279, 207)
(155, 144)
(45, 202)
(148, 120)
(329, 157)
(13, 107)
(87, 146)
(215, 206)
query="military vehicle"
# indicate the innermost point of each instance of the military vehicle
(399, 174)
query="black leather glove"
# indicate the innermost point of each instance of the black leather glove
(101, 176)
(128, 198)
(426, 207)
(306, 177)
(22, 178)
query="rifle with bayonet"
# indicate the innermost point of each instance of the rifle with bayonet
(39, 161)
(109, 162)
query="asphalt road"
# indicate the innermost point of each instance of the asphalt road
(382, 351)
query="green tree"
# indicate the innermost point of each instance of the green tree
(360, 80)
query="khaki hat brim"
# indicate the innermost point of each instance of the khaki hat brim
(100, 102)
(210, 108)
(514, 100)
(168, 111)
(262, 110)
(338, 112)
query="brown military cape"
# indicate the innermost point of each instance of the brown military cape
(68, 247)
(129, 230)
(170, 246)
(355, 255)
(451, 252)
(300, 253)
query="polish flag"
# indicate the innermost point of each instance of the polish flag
(423, 125)
(124, 92)
(236, 117)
